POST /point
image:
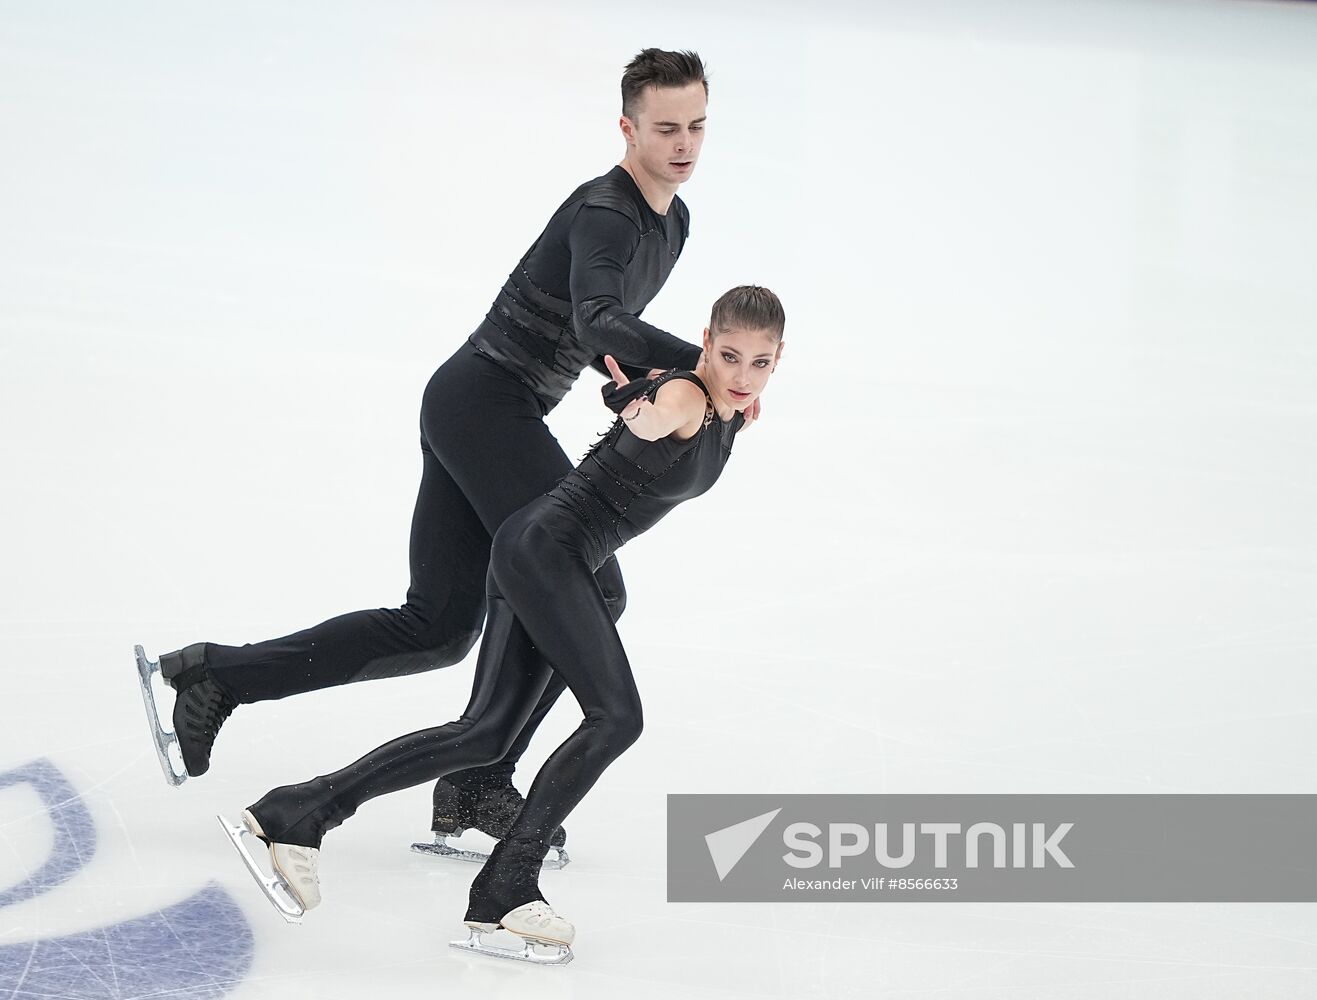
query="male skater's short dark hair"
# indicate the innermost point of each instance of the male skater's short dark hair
(748, 307)
(658, 68)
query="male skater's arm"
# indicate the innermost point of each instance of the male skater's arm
(602, 242)
(632, 371)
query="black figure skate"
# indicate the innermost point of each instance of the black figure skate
(492, 811)
(200, 708)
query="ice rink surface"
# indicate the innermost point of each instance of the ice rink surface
(1030, 508)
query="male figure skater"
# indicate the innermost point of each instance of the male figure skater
(574, 296)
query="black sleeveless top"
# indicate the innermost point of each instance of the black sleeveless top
(578, 292)
(625, 484)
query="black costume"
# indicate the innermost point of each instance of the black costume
(547, 618)
(486, 452)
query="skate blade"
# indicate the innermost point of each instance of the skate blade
(274, 886)
(554, 953)
(175, 772)
(442, 849)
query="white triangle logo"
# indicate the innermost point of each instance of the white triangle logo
(728, 845)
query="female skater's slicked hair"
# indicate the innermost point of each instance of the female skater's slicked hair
(748, 307)
(659, 68)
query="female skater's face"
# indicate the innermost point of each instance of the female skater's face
(666, 136)
(738, 363)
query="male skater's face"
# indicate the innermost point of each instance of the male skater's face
(666, 134)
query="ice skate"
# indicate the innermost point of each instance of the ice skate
(293, 885)
(200, 708)
(164, 739)
(546, 937)
(490, 811)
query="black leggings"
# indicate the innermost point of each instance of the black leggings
(486, 452)
(547, 619)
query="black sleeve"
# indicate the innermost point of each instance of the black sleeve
(632, 371)
(601, 243)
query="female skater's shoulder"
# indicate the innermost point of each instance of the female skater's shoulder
(650, 416)
(685, 397)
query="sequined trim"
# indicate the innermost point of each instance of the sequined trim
(566, 306)
(664, 237)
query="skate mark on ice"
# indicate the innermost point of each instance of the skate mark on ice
(75, 833)
(199, 949)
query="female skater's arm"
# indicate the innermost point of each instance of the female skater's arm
(678, 405)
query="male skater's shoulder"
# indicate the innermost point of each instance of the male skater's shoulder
(578, 291)
(617, 192)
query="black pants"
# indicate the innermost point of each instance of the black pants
(486, 452)
(547, 621)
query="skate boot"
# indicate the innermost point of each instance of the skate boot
(546, 937)
(512, 874)
(490, 810)
(293, 884)
(200, 708)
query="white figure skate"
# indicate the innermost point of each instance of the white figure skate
(546, 937)
(166, 740)
(293, 885)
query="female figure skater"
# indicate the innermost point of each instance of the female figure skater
(548, 618)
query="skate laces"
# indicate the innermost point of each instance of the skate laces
(212, 708)
(305, 863)
(299, 868)
(539, 913)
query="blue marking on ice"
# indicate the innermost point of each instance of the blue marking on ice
(199, 948)
(75, 833)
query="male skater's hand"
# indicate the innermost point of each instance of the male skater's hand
(751, 414)
(619, 377)
(615, 370)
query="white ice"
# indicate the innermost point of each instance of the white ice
(1030, 508)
